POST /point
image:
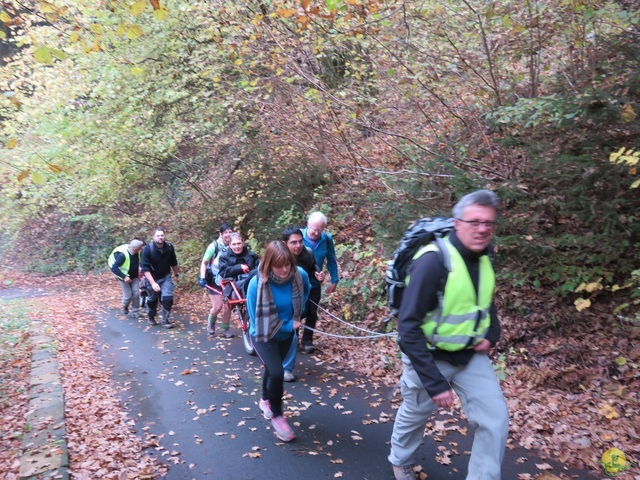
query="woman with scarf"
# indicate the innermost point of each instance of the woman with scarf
(275, 301)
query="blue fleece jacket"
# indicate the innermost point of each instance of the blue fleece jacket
(282, 298)
(324, 250)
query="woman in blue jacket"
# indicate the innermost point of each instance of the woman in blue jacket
(275, 301)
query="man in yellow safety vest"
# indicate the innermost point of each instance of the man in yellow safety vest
(447, 324)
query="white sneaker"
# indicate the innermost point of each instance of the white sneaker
(266, 409)
(289, 377)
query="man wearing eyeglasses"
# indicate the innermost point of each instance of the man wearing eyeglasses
(445, 342)
(321, 243)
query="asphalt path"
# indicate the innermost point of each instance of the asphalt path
(194, 402)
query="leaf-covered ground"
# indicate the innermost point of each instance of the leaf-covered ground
(572, 389)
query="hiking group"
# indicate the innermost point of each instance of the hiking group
(443, 298)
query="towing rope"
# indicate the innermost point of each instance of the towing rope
(370, 333)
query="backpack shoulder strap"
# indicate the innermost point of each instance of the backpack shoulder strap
(216, 250)
(446, 258)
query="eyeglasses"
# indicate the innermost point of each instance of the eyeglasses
(313, 229)
(475, 224)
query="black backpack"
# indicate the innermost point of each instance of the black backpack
(420, 233)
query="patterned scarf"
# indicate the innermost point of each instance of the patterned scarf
(267, 320)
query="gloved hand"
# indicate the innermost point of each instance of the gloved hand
(201, 282)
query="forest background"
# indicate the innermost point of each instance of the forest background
(118, 116)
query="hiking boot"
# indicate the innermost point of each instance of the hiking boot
(282, 429)
(308, 348)
(211, 328)
(266, 408)
(167, 324)
(152, 321)
(289, 377)
(404, 473)
(226, 334)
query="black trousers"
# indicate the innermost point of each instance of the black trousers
(271, 354)
(311, 314)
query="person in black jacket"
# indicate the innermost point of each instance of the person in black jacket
(446, 326)
(157, 263)
(239, 264)
(292, 236)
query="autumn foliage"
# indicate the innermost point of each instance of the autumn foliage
(119, 116)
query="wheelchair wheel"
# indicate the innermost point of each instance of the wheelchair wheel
(246, 343)
(244, 326)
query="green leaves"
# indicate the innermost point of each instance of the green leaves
(38, 178)
(43, 55)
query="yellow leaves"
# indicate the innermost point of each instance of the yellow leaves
(5, 18)
(59, 54)
(74, 37)
(582, 304)
(589, 287)
(91, 47)
(97, 28)
(12, 143)
(621, 361)
(137, 71)
(627, 113)
(46, 7)
(134, 32)
(138, 7)
(628, 156)
(608, 412)
(38, 178)
(43, 55)
(51, 12)
(161, 13)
